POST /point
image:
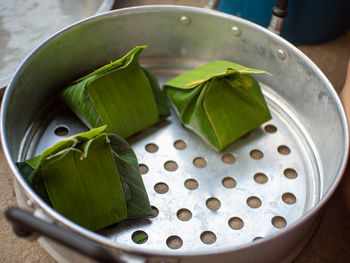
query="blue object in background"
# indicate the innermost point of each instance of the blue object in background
(307, 22)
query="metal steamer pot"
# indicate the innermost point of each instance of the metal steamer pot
(268, 198)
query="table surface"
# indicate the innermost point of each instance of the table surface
(330, 243)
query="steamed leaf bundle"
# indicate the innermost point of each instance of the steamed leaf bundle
(220, 101)
(121, 95)
(91, 178)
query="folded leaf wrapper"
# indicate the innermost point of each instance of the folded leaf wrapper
(121, 95)
(91, 178)
(220, 101)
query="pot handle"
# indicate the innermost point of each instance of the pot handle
(279, 12)
(25, 224)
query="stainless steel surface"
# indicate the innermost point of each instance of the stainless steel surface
(25, 24)
(302, 102)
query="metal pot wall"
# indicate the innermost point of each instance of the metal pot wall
(305, 158)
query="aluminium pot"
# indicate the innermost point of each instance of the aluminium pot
(299, 155)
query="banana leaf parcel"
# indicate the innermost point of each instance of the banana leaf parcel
(122, 95)
(220, 101)
(91, 178)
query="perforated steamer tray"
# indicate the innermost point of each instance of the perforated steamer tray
(204, 200)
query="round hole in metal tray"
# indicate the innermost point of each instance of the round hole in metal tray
(260, 178)
(283, 149)
(229, 182)
(256, 154)
(290, 173)
(270, 128)
(174, 242)
(180, 145)
(155, 212)
(213, 203)
(236, 223)
(289, 198)
(161, 188)
(170, 166)
(254, 202)
(279, 222)
(257, 239)
(191, 184)
(143, 168)
(228, 158)
(184, 214)
(61, 131)
(200, 162)
(208, 237)
(139, 237)
(151, 148)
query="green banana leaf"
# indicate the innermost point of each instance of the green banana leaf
(220, 101)
(91, 178)
(121, 95)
